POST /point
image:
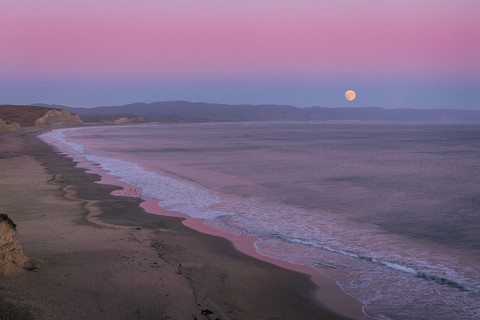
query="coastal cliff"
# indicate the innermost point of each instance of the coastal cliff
(7, 127)
(58, 118)
(126, 119)
(16, 117)
(12, 259)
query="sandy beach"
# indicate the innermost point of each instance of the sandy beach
(101, 256)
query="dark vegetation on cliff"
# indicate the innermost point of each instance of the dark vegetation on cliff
(16, 117)
(25, 116)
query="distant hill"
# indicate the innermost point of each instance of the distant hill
(15, 117)
(179, 111)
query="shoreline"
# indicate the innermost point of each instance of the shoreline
(328, 293)
(332, 298)
(202, 276)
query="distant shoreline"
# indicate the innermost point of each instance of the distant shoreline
(186, 111)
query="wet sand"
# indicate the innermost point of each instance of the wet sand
(103, 257)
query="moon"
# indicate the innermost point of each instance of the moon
(350, 95)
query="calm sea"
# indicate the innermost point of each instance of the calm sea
(390, 212)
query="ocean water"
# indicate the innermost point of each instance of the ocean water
(390, 212)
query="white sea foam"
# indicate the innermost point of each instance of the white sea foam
(59, 135)
(175, 195)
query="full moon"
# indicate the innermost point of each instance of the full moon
(350, 95)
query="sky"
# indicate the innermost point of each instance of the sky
(394, 54)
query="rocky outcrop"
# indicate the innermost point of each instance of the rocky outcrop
(127, 119)
(12, 260)
(58, 118)
(7, 127)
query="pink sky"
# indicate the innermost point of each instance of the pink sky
(261, 39)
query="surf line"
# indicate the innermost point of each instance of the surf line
(394, 266)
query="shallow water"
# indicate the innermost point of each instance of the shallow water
(391, 213)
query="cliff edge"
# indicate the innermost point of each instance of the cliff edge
(7, 127)
(58, 118)
(16, 117)
(12, 259)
